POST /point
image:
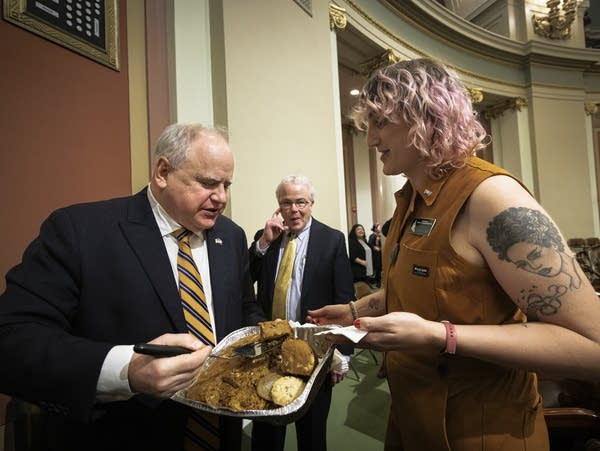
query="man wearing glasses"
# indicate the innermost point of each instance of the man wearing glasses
(300, 264)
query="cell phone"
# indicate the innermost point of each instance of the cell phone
(160, 350)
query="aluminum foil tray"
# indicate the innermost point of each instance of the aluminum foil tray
(281, 415)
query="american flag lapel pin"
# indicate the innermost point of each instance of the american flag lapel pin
(218, 241)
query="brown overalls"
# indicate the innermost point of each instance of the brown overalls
(440, 401)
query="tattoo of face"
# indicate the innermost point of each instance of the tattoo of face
(529, 240)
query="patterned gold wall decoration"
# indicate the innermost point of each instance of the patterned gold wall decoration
(557, 24)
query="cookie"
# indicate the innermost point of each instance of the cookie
(286, 389)
(297, 357)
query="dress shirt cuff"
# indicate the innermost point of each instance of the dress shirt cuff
(113, 384)
(260, 251)
(340, 362)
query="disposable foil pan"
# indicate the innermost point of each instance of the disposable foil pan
(280, 415)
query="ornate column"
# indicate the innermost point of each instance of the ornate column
(343, 141)
(593, 147)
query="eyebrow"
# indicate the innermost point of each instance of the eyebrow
(530, 256)
(203, 179)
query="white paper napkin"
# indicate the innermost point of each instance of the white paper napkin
(350, 332)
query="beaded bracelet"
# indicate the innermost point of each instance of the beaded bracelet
(353, 310)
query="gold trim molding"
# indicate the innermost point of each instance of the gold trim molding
(385, 59)
(63, 33)
(497, 110)
(337, 18)
(407, 45)
(557, 24)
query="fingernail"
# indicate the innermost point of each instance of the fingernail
(357, 323)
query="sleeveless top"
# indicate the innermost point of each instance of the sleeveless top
(440, 401)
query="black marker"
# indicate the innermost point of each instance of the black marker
(160, 350)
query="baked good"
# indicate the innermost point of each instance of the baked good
(209, 392)
(245, 399)
(231, 383)
(286, 389)
(265, 384)
(297, 357)
(275, 328)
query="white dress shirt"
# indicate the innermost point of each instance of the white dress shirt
(295, 291)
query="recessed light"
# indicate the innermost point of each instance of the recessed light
(354, 92)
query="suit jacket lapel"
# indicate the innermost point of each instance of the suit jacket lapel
(271, 260)
(218, 260)
(312, 251)
(142, 233)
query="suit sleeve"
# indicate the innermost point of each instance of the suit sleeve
(253, 312)
(256, 261)
(43, 361)
(344, 285)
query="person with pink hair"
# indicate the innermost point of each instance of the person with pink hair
(480, 293)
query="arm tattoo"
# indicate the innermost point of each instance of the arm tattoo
(374, 304)
(532, 302)
(528, 239)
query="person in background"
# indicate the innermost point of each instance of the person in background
(300, 264)
(375, 243)
(361, 255)
(386, 227)
(480, 289)
(103, 276)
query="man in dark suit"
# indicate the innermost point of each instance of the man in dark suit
(320, 275)
(103, 276)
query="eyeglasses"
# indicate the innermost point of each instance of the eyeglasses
(301, 204)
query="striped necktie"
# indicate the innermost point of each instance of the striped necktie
(202, 429)
(191, 291)
(284, 278)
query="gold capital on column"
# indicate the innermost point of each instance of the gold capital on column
(475, 94)
(337, 17)
(590, 108)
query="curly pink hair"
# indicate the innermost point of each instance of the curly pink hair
(431, 100)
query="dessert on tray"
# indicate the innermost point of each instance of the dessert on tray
(276, 386)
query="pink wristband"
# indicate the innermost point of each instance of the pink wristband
(450, 337)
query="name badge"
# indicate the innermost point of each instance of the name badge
(421, 271)
(422, 226)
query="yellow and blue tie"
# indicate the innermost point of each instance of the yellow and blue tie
(284, 279)
(202, 429)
